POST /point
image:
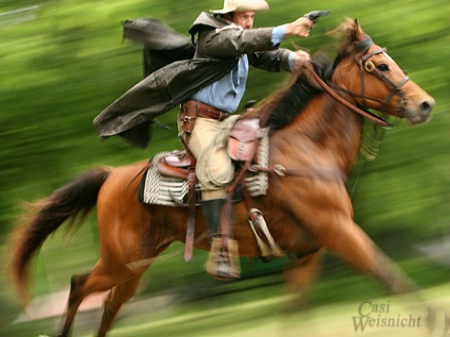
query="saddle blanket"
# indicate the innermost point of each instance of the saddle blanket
(159, 189)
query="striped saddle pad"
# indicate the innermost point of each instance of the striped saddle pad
(159, 189)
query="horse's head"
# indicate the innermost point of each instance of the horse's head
(381, 84)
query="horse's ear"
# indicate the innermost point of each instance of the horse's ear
(354, 31)
(359, 34)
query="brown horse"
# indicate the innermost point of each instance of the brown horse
(311, 131)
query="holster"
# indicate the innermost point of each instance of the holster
(186, 118)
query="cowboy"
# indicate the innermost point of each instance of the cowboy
(211, 84)
(228, 34)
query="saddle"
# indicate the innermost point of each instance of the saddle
(177, 164)
(242, 147)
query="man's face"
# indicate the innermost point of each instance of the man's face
(244, 19)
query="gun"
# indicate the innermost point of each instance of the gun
(315, 15)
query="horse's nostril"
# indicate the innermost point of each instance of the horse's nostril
(426, 106)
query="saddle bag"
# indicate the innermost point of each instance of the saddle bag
(243, 140)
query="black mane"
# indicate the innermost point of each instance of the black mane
(285, 105)
(289, 102)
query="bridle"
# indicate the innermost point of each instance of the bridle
(365, 64)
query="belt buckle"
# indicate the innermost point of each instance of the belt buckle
(222, 116)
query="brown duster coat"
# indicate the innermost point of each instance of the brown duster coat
(219, 45)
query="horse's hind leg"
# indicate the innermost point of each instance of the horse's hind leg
(74, 301)
(118, 296)
(98, 280)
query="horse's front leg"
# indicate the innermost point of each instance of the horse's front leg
(299, 276)
(356, 248)
(325, 211)
(353, 245)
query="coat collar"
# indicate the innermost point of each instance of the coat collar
(208, 20)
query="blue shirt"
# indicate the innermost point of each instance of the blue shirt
(226, 93)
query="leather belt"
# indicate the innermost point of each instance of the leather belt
(205, 110)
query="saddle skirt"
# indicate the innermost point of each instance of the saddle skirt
(166, 180)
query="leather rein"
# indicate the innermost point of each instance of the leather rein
(364, 65)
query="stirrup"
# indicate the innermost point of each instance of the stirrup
(223, 265)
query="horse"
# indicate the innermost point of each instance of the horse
(316, 124)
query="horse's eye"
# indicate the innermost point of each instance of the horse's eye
(383, 67)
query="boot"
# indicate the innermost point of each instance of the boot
(218, 264)
(212, 211)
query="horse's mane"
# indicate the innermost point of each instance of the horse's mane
(282, 107)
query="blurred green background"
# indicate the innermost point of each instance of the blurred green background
(62, 62)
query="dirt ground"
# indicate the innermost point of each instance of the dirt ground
(386, 317)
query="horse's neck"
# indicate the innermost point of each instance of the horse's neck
(333, 128)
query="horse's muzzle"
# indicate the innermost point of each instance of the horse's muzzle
(421, 113)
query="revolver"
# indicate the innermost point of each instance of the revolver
(315, 15)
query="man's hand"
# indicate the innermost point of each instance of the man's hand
(300, 58)
(300, 27)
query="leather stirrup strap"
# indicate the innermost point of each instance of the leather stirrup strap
(225, 221)
(190, 228)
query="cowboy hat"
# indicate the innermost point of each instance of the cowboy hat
(242, 6)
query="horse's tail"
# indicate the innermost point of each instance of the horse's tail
(70, 202)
